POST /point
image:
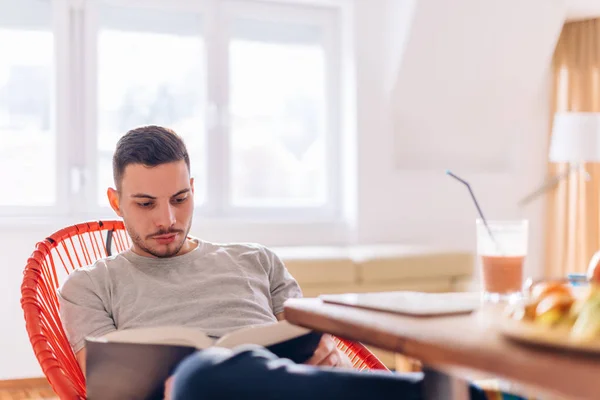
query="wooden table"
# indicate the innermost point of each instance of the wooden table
(450, 345)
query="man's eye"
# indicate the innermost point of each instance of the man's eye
(145, 205)
(179, 200)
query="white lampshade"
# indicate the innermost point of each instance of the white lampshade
(575, 138)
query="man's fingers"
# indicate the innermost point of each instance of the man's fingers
(328, 343)
(332, 360)
(319, 355)
(325, 348)
(168, 388)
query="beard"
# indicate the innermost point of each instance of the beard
(170, 250)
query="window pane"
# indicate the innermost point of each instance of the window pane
(151, 71)
(27, 138)
(278, 104)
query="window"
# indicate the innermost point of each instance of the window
(150, 72)
(27, 136)
(252, 87)
(278, 110)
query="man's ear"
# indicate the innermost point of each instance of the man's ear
(192, 184)
(113, 199)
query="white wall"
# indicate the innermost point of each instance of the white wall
(15, 247)
(583, 9)
(399, 75)
(471, 95)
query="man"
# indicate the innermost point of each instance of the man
(168, 279)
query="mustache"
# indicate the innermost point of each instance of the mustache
(166, 232)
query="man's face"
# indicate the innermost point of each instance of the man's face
(156, 204)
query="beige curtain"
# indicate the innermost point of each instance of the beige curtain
(573, 233)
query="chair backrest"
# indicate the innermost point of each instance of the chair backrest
(48, 266)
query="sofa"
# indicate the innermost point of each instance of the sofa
(378, 268)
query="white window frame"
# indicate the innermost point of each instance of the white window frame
(75, 24)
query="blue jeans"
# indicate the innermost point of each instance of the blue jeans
(252, 372)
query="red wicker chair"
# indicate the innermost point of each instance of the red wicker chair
(47, 267)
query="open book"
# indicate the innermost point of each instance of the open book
(133, 364)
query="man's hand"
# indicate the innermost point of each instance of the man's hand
(80, 356)
(328, 355)
(168, 388)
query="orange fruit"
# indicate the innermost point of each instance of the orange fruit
(540, 290)
(556, 304)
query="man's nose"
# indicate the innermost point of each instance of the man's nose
(165, 217)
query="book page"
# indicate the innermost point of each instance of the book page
(168, 335)
(263, 335)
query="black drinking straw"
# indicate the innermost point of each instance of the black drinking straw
(448, 172)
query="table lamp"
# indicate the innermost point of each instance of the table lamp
(575, 140)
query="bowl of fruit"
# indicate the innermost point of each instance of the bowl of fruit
(557, 314)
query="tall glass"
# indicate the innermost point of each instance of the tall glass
(501, 251)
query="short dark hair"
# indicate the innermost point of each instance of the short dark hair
(150, 146)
